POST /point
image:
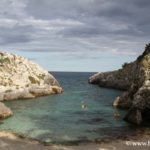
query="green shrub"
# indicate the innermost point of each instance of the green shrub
(33, 80)
(4, 60)
(7, 91)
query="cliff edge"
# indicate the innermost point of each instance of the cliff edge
(23, 79)
(134, 78)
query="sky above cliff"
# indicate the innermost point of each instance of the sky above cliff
(75, 35)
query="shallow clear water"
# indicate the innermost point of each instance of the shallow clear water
(61, 118)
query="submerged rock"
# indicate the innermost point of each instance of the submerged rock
(134, 116)
(23, 79)
(5, 112)
(135, 79)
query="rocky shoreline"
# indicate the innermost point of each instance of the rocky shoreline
(13, 141)
(23, 79)
(134, 78)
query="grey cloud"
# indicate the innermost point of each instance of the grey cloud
(16, 34)
(135, 13)
(95, 24)
(49, 9)
(80, 32)
(11, 39)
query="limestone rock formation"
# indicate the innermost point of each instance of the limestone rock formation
(135, 79)
(22, 79)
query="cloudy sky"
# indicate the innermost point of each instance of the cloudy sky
(75, 35)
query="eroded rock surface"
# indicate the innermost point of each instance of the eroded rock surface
(135, 79)
(23, 79)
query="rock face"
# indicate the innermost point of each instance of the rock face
(22, 79)
(135, 79)
(4, 111)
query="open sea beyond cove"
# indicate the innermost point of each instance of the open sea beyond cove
(82, 113)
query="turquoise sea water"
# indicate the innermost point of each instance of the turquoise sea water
(61, 118)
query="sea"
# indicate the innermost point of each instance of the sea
(82, 113)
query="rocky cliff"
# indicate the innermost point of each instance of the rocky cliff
(135, 79)
(22, 79)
